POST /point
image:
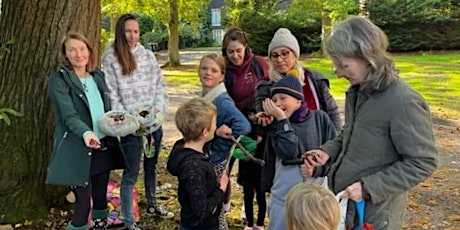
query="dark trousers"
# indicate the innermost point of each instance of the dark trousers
(251, 187)
(97, 190)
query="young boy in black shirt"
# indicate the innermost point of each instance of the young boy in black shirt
(199, 195)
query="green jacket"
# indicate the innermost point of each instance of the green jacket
(388, 144)
(70, 159)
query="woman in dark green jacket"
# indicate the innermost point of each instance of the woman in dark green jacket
(82, 156)
(387, 144)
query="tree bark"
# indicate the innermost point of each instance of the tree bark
(173, 26)
(325, 27)
(37, 26)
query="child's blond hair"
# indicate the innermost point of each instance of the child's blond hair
(193, 117)
(310, 206)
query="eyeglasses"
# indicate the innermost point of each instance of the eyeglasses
(284, 54)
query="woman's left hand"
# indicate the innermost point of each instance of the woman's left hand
(354, 192)
(224, 131)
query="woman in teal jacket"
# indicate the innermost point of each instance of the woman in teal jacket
(82, 156)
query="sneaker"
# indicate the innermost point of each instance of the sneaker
(159, 211)
(99, 224)
(133, 227)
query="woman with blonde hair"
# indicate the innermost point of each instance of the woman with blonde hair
(310, 206)
(284, 54)
(230, 121)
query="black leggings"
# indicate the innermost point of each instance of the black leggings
(252, 184)
(97, 189)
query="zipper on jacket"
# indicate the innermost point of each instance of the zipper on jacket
(62, 140)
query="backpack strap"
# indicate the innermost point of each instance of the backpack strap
(257, 69)
(228, 81)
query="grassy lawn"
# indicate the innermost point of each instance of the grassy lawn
(435, 75)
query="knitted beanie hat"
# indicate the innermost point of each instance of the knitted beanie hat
(289, 85)
(284, 37)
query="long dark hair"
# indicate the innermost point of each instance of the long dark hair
(122, 51)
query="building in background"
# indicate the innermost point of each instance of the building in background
(218, 29)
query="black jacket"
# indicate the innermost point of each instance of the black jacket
(199, 194)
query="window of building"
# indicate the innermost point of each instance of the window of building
(215, 17)
(218, 35)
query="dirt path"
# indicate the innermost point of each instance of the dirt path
(433, 204)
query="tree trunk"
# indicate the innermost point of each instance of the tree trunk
(325, 27)
(113, 23)
(173, 26)
(37, 26)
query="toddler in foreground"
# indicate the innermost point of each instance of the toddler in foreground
(200, 196)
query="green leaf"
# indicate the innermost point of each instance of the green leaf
(5, 118)
(11, 111)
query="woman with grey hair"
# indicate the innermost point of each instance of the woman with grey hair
(387, 145)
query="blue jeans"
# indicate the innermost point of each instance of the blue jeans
(132, 146)
(150, 168)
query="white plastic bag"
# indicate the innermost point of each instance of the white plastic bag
(343, 203)
(149, 119)
(118, 124)
(321, 181)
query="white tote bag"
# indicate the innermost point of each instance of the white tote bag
(343, 203)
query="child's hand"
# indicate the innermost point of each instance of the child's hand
(272, 109)
(264, 119)
(259, 139)
(306, 169)
(224, 131)
(223, 181)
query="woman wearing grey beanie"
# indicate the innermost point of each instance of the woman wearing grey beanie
(284, 52)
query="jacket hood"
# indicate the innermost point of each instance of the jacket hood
(178, 155)
(110, 50)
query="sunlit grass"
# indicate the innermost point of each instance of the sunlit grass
(436, 76)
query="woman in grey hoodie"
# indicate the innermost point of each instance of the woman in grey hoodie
(135, 80)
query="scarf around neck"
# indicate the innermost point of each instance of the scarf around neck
(214, 92)
(300, 114)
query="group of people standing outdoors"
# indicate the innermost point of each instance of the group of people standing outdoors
(385, 147)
